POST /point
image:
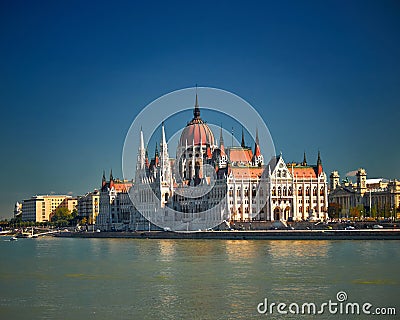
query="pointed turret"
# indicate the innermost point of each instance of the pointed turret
(304, 163)
(257, 151)
(196, 111)
(221, 143)
(111, 179)
(156, 156)
(164, 157)
(141, 158)
(208, 152)
(103, 180)
(319, 163)
(243, 144)
(222, 158)
(258, 159)
(146, 161)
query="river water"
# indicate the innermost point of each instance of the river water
(53, 278)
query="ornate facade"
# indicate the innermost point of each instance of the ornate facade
(374, 197)
(208, 181)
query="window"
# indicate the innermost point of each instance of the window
(322, 191)
(300, 192)
(307, 191)
(273, 191)
(315, 191)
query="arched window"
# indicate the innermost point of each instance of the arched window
(273, 191)
(322, 191)
(284, 191)
(315, 191)
(290, 191)
(300, 192)
(279, 191)
(307, 191)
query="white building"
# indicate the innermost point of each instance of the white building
(182, 190)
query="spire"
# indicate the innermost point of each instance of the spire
(243, 144)
(304, 159)
(156, 151)
(221, 143)
(156, 156)
(196, 111)
(164, 160)
(111, 180)
(141, 159)
(319, 164)
(257, 151)
(163, 139)
(103, 180)
(146, 157)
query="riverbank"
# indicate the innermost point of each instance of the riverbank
(384, 234)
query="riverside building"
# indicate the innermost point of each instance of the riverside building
(208, 181)
(88, 206)
(371, 196)
(40, 208)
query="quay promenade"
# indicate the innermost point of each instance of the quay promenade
(382, 234)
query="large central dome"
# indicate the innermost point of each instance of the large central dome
(196, 131)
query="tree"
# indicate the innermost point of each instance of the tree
(61, 214)
(374, 211)
(334, 209)
(355, 212)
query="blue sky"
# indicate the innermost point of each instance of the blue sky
(74, 74)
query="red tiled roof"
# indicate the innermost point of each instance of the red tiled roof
(307, 172)
(246, 172)
(122, 187)
(240, 155)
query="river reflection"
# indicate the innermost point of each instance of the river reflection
(187, 279)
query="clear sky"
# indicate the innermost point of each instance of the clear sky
(74, 74)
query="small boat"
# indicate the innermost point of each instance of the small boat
(13, 239)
